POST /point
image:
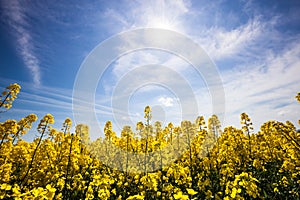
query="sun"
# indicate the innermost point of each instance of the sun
(162, 22)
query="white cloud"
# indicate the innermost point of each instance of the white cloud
(15, 14)
(265, 89)
(166, 101)
(221, 43)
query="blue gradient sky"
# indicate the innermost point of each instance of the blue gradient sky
(255, 45)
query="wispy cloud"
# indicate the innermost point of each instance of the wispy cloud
(166, 101)
(221, 43)
(58, 101)
(15, 16)
(265, 89)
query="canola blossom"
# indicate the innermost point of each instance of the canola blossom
(216, 163)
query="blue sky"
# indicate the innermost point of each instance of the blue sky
(255, 46)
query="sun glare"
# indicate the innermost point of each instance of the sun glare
(162, 22)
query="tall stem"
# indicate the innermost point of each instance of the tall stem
(2, 103)
(146, 146)
(161, 176)
(34, 153)
(68, 167)
(191, 160)
(127, 149)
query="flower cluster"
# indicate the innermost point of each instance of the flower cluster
(9, 95)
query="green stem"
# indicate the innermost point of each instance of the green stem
(33, 155)
(5, 135)
(2, 103)
(68, 167)
(146, 146)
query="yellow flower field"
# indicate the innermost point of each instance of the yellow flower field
(215, 163)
